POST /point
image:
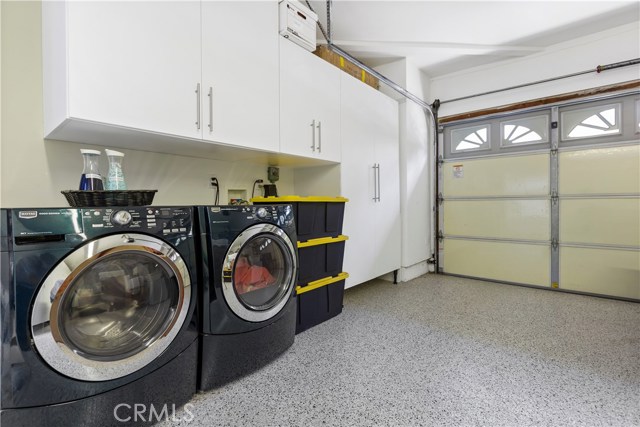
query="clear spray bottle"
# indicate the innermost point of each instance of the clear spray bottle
(115, 177)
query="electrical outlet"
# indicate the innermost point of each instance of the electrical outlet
(213, 182)
(273, 174)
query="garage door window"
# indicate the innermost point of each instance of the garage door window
(602, 120)
(470, 139)
(530, 130)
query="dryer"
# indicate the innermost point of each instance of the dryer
(98, 321)
(249, 273)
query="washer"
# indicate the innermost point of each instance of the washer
(98, 315)
(250, 269)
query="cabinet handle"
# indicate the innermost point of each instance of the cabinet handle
(198, 106)
(379, 187)
(313, 135)
(210, 108)
(319, 127)
(375, 182)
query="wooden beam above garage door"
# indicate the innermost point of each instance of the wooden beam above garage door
(618, 87)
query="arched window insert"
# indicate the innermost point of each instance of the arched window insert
(470, 139)
(529, 130)
(602, 120)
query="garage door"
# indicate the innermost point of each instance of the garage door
(549, 197)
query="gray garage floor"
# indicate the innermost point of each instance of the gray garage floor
(444, 351)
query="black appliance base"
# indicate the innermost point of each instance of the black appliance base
(150, 399)
(228, 357)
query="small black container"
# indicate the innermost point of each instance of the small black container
(320, 258)
(315, 217)
(320, 301)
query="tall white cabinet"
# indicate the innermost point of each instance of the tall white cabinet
(183, 69)
(370, 180)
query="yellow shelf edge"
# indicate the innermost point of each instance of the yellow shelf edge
(322, 241)
(321, 282)
(284, 199)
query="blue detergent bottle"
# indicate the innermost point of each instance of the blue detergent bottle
(91, 179)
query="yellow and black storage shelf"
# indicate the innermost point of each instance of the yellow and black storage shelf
(320, 258)
(315, 216)
(319, 301)
(321, 245)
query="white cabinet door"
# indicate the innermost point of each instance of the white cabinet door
(370, 180)
(134, 64)
(240, 73)
(383, 129)
(357, 176)
(309, 104)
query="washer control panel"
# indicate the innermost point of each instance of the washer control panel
(154, 220)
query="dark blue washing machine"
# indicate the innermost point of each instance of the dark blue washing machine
(249, 273)
(97, 314)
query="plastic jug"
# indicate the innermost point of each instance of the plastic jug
(115, 177)
(91, 178)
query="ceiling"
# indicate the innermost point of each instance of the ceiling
(441, 37)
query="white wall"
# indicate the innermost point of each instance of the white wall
(416, 151)
(34, 171)
(586, 53)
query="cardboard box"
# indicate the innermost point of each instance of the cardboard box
(347, 66)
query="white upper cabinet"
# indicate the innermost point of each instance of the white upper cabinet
(129, 64)
(309, 104)
(129, 73)
(240, 73)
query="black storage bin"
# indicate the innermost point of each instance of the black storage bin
(320, 301)
(320, 258)
(315, 217)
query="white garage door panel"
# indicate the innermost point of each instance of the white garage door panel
(600, 271)
(504, 219)
(511, 262)
(599, 171)
(600, 221)
(505, 176)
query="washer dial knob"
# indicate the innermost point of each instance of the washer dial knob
(121, 218)
(261, 213)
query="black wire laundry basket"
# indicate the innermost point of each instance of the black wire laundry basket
(101, 198)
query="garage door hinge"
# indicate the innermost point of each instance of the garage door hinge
(440, 160)
(554, 125)
(440, 199)
(554, 152)
(554, 244)
(554, 197)
(440, 235)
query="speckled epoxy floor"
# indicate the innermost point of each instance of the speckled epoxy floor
(446, 351)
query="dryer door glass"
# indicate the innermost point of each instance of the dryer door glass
(111, 307)
(259, 272)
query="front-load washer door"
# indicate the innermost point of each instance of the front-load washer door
(111, 307)
(259, 272)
